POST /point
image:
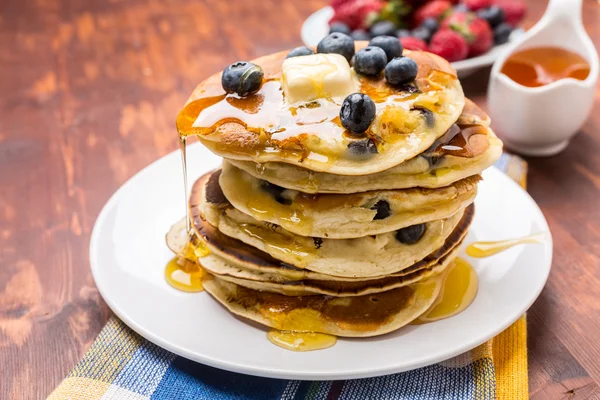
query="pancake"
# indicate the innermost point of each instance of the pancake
(359, 316)
(369, 256)
(343, 216)
(228, 256)
(263, 127)
(308, 287)
(430, 169)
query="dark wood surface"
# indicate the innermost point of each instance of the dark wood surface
(89, 91)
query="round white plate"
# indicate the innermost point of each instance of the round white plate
(128, 255)
(316, 27)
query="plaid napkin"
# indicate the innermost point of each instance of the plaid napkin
(121, 365)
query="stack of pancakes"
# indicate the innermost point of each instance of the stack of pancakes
(315, 229)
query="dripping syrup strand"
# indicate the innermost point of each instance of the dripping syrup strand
(183, 147)
(487, 249)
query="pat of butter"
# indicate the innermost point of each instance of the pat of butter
(316, 76)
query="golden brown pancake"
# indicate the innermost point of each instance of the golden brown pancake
(264, 128)
(359, 316)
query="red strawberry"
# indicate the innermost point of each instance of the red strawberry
(413, 43)
(514, 10)
(335, 4)
(475, 5)
(449, 44)
(358, 14)
(435, 9)
(475, 30)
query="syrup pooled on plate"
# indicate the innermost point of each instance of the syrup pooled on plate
(540, 66)
(458, 292)
(184, 275)
(486, 249)
(301, 341)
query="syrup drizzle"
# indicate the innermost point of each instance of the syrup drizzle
(184, 275)
(184, 271)
(486, 249)
(458, 292)
(301, 341)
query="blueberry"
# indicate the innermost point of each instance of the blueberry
(300, 51)
(383, 28)
(460, 8)
(401, 33)
(362, 147)
(401, 70)
(370, 61)
(357, 112)
(275, 191)
(383, 209)
(337, 43)
(360, 34)
(242, 77)
(339, 27)
(410, 234)
(428, 115)
(502, 33)
(494, 15)
(431, 24)
(422, 33)
(390, 44)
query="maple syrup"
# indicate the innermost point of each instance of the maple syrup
(184, 275)
(184, 272)
(301, 341)
(486, 249)
(458, 292)
(540, 66)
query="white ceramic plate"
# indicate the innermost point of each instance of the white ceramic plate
(315, 28)
(128, 255)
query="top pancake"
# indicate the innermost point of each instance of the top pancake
(264, 128)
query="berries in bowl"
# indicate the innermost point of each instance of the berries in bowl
(469, 33)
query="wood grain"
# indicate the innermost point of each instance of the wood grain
(90, 90)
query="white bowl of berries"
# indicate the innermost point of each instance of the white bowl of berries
(470, 33)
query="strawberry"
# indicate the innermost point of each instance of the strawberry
(475, 5)
(475, 30)
(449, 44)
(514, 11)
(358, 14)
(436, 9)
(335, 4)
(412, 43)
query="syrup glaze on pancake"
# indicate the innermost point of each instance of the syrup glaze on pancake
(343, 216)
(341, 257)
(220, 268)
(359, 316)
(247, 262)
(264, 128)
(454, 156)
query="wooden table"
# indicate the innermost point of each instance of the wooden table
(89, 94)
